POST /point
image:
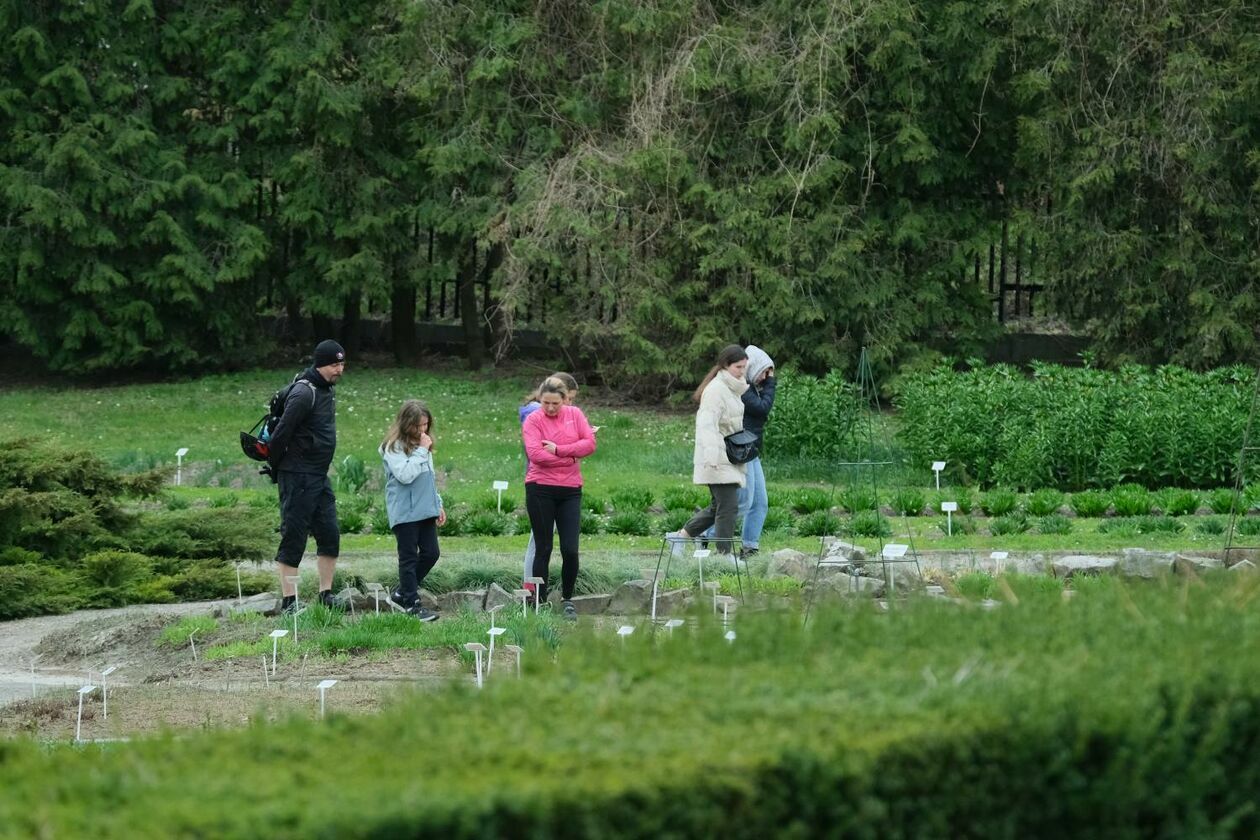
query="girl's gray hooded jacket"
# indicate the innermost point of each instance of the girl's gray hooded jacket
(410, 486)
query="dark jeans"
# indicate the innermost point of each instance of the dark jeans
(307, 506)
(721, 512)
(417, 553)
(558, 509)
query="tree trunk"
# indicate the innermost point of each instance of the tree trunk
(470, 317)
(352, 322)
(493, 314)
(402, 317)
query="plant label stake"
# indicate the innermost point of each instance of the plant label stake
(492, 611)
(538, 585)
(266, 676)
(700, 554)
(179, 464)
(499, 487)
(672, 623)
(726, 601)
(949, 508)
(375, 589)
(654, 594)
(34, 659)
(937, 466)
(999, 558)
(712, 585)
(323, 686)
(523, 594)
(893, 551)
(78, 726)
(193, 643)
(477, 648)
(516, 649)
(730, 636)
(493, 633)
(105, 690)
(623, 631)
(239, 595)
(276, 636)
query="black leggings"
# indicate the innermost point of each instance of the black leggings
(555, 508)
(417, 553)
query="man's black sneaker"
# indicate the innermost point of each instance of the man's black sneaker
(748, 552)
(288, 606)
(570, 611)
(326, 598)
(420, 613)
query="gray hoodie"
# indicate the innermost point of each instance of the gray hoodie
(410, 486)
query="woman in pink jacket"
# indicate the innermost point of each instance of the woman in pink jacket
(556, 437)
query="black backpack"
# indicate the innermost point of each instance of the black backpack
(256, 442)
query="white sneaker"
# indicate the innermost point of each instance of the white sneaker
(677, 543)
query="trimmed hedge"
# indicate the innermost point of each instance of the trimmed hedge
(1044, 717)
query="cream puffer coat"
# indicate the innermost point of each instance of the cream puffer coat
(721, 413)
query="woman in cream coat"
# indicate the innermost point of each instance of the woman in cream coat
(721, 413)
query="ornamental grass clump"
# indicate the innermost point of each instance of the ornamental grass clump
(1090, 503)
(999, 502)
(1044, 502)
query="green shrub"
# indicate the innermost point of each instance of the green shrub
(177, 503)
(593, 503)
(1044, 502)
(592, 523)
(868, 523)
(14, 556)
(1090, 503)
(1014, 523)
(1054, 524)
(857, 499)
(224, 500)
(1132, 500)
(490, 503)
(630, 522)
(111, 577)
(380, 520)
(810, 500)
(1121, 526)
(31, 590)
(813, 418)
(1175, 502)
(1248, 526)
(205, 581)
(197, 534)
(487, 523)
(908, 501)
(626, 499)
(673, 519)
(820, 523)
(1159, 525)
(351, 518)
(779, 519)
(687, 498)
(521, 524)
(1222, 500)
(1210, 525)
(999, 502)
(351, 475)
(960, 525)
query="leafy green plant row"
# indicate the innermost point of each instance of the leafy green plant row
(1078, 428)
(967, 744)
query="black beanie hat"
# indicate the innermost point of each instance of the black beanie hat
(328, 352)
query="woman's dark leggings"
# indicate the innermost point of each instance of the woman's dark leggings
(559, 509)
(417, 553)
(721, 512)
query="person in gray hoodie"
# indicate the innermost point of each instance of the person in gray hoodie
(412, 502)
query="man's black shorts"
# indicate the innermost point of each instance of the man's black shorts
(307, 507)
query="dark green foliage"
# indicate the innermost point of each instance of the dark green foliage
(1090, 503)
(177, 503)
(813, 418)
(627, 499)
(1223, 500)
(490, 502)
(908, 501)
(1125, 526)
(1175, 502)
(205, 533)
(487, 523)
(867, 523)
(820, 523)
(380, 520)
(1075, 428)
(1248, 526)
(32, 589)
(1044, 502)
(1159, 525)
(779, 519)
(592, 523)
(1054, 524)
(684, 498)
(633, 522)
(959, 525)
(856, 499)
(521, 525)
(224, 500)
(810, 500)
(999, 502)
(1210, 525)
(352, 513)
(112, 577)
(1132, 500)
(1014, 523)
(594, 504)
(673, 519)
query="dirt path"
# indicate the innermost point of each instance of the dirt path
(20, 643)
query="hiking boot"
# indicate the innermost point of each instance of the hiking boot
(570, 611)
(288, 606)
(330, 601)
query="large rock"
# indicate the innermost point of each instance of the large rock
(497, 596)
(265, 603)
(1243, 566)
(1084, 564)
(1141, 563)
(788, 562)
(674, 602)
(1190, 564)
(633, 597)
(852, 586)
(837, 549)
(591, 604)
(462, 599)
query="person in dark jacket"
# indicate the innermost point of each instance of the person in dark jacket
(301, 451)
(758, 400)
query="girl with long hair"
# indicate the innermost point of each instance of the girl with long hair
(412, 502)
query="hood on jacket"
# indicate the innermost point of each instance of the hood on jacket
(758, 361)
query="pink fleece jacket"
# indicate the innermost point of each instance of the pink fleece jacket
(573, 438)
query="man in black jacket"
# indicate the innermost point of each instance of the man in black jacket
(301, 450)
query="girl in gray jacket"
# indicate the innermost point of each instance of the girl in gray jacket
(412, 502)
